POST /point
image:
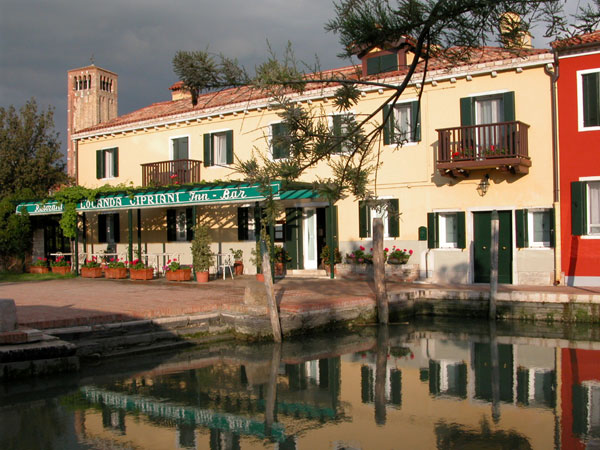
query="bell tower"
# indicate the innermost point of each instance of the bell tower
(92, 99)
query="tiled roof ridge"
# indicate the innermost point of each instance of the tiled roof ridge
(577, 40)
(241, 95)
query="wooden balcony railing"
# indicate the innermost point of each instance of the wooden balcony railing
(499, 145)
(178, 171)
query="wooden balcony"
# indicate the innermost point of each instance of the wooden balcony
(178, 171)
(502, 146)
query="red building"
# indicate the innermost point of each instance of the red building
(578, 89)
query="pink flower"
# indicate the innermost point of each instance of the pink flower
(410, 252)
(404, 250)
(362, 248)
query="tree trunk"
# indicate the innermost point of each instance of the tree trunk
(273, 310)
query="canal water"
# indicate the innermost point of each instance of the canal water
(418, 385)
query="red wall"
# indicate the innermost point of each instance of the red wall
(579, 157)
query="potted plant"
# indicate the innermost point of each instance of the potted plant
(398, 256)
(238, 262)
(91, 268)
(281, 258)
(257, 261)
(175, 271)
(60, 265)
(40, 265)
(116, 269)
(202, 256)
(139, 270)
(325, 255)
(359, 256)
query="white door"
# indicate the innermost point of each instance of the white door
(309, 241)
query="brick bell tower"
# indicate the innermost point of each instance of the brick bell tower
(92, 99)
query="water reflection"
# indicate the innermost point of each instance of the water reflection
(411, 386)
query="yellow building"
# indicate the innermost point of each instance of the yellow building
(479, 141)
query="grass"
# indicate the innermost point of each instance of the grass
(10, 277)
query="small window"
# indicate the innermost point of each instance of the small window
(590, 99)
(386, 209)
(342, 124)
(280, 141)
(448, 224)
(107, 163)
(218, 148)
(446, 230)
(402, 123)
(180, 148)
(246, 224)
(179, 225)
(540, 228)
(382, 64)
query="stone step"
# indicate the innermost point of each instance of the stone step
(306, 273)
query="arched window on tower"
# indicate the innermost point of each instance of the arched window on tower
(89, 81)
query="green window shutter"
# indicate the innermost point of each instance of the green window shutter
(337, 131)
(99, 164)
(363, 219)
(242, 215)
(117, 232)
(578, 208)
(432, 230)
(229, 144)
(393, 222)
(552, 227)
(171, 225)
(388, 125)
(189, 224)
(508, 100)
(293, 237)
(461, 233)
(115, 152)
(101, 228)
(591, 99)
(279, 146)
(415, 120)
(373, 65)
(467, 112)
(522, 228)
(175, 143)
(388, 63)
(334, 227)
(207, 150)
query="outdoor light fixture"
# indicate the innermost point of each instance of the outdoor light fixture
(483, 185)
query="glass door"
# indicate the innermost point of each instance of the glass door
(309, 229)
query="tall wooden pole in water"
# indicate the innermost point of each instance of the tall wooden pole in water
(273, 311)
(494, 264)
(381, 373)
(379, 272)
(272, 389)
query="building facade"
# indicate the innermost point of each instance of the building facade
(578, 89)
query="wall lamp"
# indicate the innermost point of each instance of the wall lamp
(483, 185)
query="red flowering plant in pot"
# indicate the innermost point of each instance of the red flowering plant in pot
(60, 265)
(398, 256)
(40, 265)
(175, 271)
(359, 256)
(139, 270)
(116, 269)
(91, 268)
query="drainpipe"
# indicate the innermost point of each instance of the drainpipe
(554, 74)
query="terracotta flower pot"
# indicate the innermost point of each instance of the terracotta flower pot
(179, 275)
(39, 269)
(238, 268)
(328, 269)
(115, 272)
(202, 277)
(279, 269)
(260, 277)
(141, 274)
(62, 270)
(91, 272)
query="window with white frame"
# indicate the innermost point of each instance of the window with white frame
(220, 148)
(448, 230)
(540, 227)
(585, 207)
(386, 209)
(593, 207)
(180, 148)
(402, 123)
(341, 125)
(589, 98)
(107, 163)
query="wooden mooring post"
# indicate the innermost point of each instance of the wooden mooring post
(271, 302)
(379, 272)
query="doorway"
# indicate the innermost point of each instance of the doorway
(482, 240)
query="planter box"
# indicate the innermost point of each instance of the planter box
(179, 275)
(91, 272)
(62, 270)
(38, 269)
(141, 274)
(115, 272)
(393, 272)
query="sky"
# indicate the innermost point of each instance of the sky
(40, 40)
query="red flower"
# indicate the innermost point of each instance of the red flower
(410, 252)
(362, 248)
(386, 249)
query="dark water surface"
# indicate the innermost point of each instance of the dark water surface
(419, 385)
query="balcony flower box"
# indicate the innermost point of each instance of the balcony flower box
(115, 272)
(91, 272)
(141, 274)
(179, 275)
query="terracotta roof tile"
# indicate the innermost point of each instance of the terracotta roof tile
(580, 40)
(245, 95)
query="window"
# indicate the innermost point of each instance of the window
(107, 163)
(446, 230)
(179, 148)
(402, 123)
(589, 103)
(535, 227)
(180, 227)
(382, 63)
(280, 141)
(218, 148)
(341, 126)
(246, 224)
(108, 228)
(386, 209)
(585, 208)
(586, 409)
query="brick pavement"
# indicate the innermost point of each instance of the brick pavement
(72, 302)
